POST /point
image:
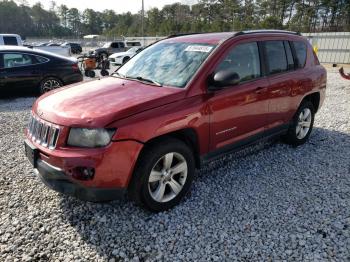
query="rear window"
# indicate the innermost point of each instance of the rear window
(300, 52)
(17, 60)
(10, 40)
(276, 57)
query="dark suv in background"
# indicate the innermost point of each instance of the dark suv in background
(74, 47)
(176, 104)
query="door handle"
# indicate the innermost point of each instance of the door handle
(260, 90)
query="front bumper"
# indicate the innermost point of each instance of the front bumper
(57, 180)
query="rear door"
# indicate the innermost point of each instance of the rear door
(20, 71)
(282, 81)
(239, 111)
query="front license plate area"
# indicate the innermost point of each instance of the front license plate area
(32, 152)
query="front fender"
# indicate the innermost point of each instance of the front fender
(188, 113)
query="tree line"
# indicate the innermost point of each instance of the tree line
(205, 16)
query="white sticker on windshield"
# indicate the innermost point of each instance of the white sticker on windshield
(199, 48)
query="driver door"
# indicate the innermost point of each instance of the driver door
(240, 111)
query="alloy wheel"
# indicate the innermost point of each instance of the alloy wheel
(168, 177)
(50, 84)
(304, 123)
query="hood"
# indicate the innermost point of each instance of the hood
(101, 102)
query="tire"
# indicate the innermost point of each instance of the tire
(91, 73)
(126, 59)
(104, 72)
(302, 124)
(48, 84)
(143, 188)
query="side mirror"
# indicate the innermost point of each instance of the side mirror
(222, 79)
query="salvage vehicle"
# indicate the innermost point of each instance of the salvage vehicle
(172, 107)
(109, 48)
(23, 70)
(75, 47)
(15, 40)
(123, 57)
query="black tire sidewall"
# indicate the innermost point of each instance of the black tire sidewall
(148, 159)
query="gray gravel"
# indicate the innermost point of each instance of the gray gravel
(272, 202)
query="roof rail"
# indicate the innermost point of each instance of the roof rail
(266, 31)
(183, 34)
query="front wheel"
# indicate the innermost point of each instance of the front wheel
(163, 175)
(302, 124)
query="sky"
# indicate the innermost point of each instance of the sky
(119, 6)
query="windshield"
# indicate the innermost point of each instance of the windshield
(170, 64)
(106, 45)
(133, 50)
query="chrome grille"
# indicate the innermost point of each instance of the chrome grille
(42, 132)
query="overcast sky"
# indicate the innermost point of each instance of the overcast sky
(119, 6)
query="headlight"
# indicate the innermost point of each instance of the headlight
(86, 137)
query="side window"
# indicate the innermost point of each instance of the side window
(121, 45)
(276, 57)
(243, 60)
(300, 51)
(114, 45)
(289, 54)
(17, 60)
(40, 59)
(10, 40)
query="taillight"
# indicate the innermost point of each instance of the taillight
(75, 67)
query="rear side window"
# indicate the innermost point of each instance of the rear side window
(40, 59)
(289, 54)
(121, 45)
(10, 40)
(300, 52)
(276, 57)
(244, 60)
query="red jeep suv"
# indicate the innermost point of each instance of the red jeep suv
(178, 103)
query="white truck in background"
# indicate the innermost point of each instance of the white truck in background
(16, 40)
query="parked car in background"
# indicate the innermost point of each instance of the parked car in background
(180, 102)
(10, 39)
(54, 44)
(55, 48)
(23, 70)
(123, 57)
(74, 47)
(15, 40)
(110, 48)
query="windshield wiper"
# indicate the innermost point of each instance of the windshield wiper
(140, 78)
(118, 75)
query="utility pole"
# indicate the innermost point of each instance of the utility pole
(142, 23)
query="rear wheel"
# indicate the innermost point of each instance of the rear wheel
(163, 175)
(301, 127)
(49, 83)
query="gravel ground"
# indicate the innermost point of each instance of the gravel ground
(271, 202)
